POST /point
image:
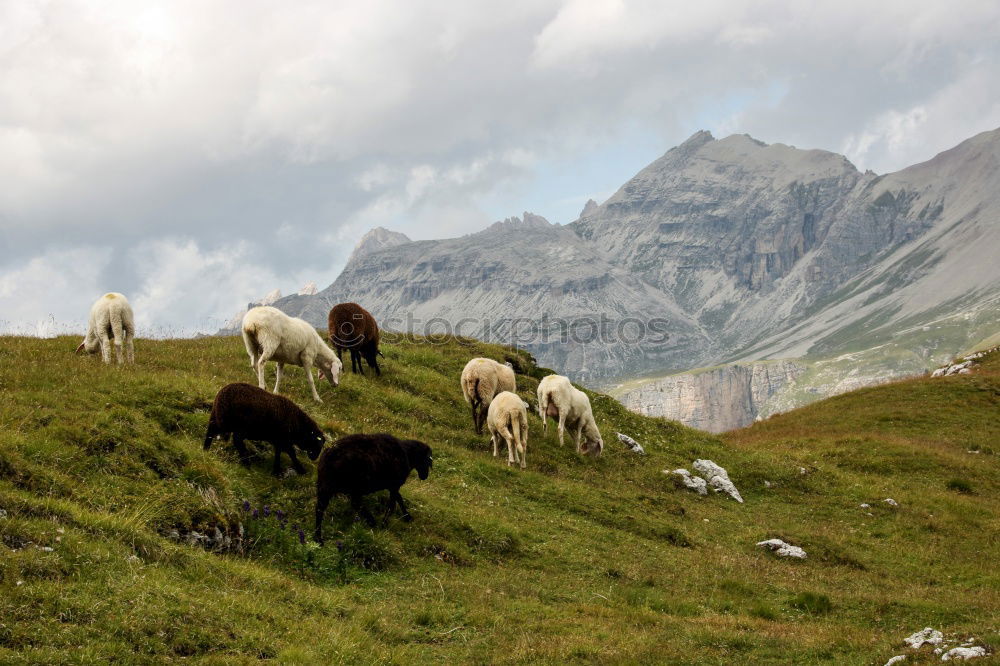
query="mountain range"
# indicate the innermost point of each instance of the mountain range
(722, 251)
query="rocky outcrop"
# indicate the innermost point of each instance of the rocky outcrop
(378, 239)
(717, 399)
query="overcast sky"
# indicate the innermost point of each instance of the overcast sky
(195, 155)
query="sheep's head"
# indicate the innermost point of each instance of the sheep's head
(89, 345)
(419, 456)
(331, 372)
(593, 443)
(313, 444)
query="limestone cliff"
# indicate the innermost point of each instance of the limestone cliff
(716, 399)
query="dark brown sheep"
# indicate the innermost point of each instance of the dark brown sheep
(357, 465)
(247, 412)
(353, 328)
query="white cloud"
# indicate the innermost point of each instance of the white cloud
(52, 294)
(284, 131)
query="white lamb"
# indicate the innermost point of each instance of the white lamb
(482, 379)
(110, 317)
(270, 334)
(559, 399)
(508, 418)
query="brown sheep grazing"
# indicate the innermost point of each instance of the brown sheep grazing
(357, 465)
(482, 379)
(248, 412)
(353, 328)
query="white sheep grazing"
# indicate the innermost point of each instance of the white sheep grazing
(508, 418)
(110, 317)
(270, 334)
(482, 379)
(559, 399)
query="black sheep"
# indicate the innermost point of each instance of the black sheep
(247, 412)
(353, 328)
(357, 465)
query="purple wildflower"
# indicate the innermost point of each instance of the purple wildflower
(302, 537)
(255, 514)
(267, 511)
(246, 506)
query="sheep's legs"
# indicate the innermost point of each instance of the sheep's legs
(322, 501)
(493, 441)
(395, 499)
(562, 425)
(356, 366)
(129, 347)
(402, 505)
(296, 465)
(307, 366)
(579, 434)
(241, 449)
(475, 419)
(277, 376)
(261, 361)
(119, 334)
(105, 348)
(389, 508)
(362, 510)
(209, 436)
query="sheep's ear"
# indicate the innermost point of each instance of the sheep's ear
(80, 348)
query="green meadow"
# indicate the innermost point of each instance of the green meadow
(104, 484)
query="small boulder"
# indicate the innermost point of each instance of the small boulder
(963, 653)
(630, 443)
(926, 636)
(782, 549)
(695, 483)
(890, 501)
(717, 478)
(895, 660)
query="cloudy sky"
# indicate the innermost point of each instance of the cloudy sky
(195, 155)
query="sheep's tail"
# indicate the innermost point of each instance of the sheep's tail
(515, 429)
(472, 391)
(116, 328)
(250, 340)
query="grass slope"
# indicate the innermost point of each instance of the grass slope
(571, 561)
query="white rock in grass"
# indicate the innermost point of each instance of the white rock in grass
(963, 653)
(3, 514)
(890, 501)
(695, 483)
(927, 636)
(717, 478)
(866, 506)
(782, 549)
(630, 443)
(895, 660)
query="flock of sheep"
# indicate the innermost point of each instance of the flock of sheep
(359, 464)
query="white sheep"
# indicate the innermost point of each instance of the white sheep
(482, 379)
(508, 418)
(270, 334)
(559, 399)
(110, 317)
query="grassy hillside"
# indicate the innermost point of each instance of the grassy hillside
(574, 560)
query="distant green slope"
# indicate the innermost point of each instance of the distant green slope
(572, 560)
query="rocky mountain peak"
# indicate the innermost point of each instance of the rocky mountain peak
(589, 207)
(377, 239)
(515, 223)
